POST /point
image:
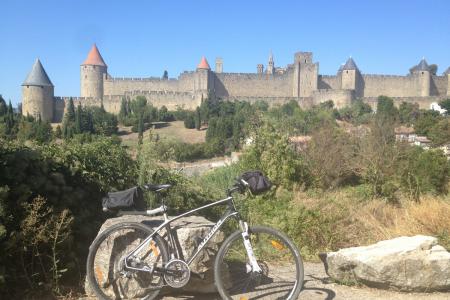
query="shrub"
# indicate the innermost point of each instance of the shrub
(43, 188)
(189, 121)
(272, 153)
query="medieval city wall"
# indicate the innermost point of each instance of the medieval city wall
(329, 82)
(172, 100)
(391, 85)
(252, 85)
(119, 86)
(438, 85)
(340, 98)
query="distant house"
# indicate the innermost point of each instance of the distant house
(422, 141)
(405, 134)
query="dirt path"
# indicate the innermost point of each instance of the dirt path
(319, 287)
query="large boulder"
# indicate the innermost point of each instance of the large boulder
(415, 263)
(188, 232)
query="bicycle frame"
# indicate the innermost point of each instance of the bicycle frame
(230, 212)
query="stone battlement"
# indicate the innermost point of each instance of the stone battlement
(139, 79)
(148, 93)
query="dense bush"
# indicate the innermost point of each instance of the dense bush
(50, 195)
(272, 153)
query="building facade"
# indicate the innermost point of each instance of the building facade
(299, 81)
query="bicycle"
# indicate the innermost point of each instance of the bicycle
(254, 262)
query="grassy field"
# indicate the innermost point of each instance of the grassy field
(173, 130)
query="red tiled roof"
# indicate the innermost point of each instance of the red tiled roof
(94, 58)
(203, 64)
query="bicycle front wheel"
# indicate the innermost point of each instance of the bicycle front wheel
(281, 275)
(108, 275)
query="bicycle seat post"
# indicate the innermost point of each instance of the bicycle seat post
(163, 203)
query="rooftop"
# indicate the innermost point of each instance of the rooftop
(350, 65)
(203, 64)
(423, 66)
(94, 58)
(37, 76)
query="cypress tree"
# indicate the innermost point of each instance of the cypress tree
(78, 119)
(198, 119)
(3, 107)
(123, 110)
(70, 114)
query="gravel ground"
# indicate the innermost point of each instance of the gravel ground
(319, 287)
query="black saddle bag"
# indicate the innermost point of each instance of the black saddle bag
(131, 199)
(257, 182)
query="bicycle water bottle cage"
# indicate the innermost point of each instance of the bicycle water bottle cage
(131, 199)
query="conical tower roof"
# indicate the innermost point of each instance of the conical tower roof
(94, 58)
(447, 72)
(203, 64)
(423, 65)
(350, 65)
(37, 76)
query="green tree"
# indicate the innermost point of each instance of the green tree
(408, 113)
(70, 113)
(439, 133)
(78, 119)
(123, 113)
(445, 104)
(386, 111)
(3, 107)
(198, 118)
(165, 75)
(425, 121)
(189, 121)
(421, 171)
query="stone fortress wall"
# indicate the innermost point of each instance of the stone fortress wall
(299, 81)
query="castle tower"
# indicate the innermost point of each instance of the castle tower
(202, 77)
(92, 71)
(219, 65)
(349, 75)
(38, 93)
(259, 68)
(448, 80)
(305, 77)
(271, 65)
(422, 73)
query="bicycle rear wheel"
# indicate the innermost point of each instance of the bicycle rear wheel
(106, 272)
(278, 258)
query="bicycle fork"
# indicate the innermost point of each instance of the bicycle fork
(248, 247)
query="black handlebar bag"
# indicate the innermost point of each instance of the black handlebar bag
(127, 200)
(257, 182)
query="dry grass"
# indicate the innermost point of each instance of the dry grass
(360, 222)
(431, 216)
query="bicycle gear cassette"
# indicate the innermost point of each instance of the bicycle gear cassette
(177, 273)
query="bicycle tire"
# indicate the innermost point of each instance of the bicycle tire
(91, 268)
(225, 275)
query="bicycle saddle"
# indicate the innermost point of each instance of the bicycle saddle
(156, 187)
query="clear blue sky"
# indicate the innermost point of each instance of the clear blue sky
(143, 38)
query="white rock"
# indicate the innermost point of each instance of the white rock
(406, 263)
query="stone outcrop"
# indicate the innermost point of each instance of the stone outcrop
(189, 231)
(415, 263)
